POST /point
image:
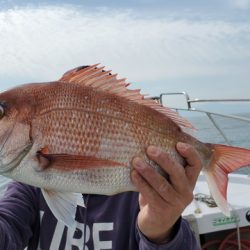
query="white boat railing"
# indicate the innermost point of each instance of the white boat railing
(209, 114)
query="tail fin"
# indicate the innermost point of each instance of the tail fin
(225, 160)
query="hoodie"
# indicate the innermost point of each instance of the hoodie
(107, 222)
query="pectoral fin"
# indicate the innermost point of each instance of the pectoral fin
(70, 162)
(43, 160)
(63, 205)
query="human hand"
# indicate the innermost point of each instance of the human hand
(162, 201)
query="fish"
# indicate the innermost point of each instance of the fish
(78, 135)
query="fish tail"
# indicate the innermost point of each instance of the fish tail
(225, 159)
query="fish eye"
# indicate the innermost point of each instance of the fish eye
(1, 111)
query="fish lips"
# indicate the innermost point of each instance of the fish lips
(4, 168)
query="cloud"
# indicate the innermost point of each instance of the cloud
(42, 43)
(241, 4)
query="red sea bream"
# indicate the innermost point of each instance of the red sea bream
(80, 133)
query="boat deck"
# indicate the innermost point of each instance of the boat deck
(211, 219)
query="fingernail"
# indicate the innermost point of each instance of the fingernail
(181, 145)
(138, 163)
(154, 151)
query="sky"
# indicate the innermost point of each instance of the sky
(197, 46)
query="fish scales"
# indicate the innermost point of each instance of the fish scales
(104, 126)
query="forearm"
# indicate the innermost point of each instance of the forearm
(182, 238)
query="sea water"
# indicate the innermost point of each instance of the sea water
(237, 132)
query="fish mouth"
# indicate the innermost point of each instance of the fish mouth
(14, 163)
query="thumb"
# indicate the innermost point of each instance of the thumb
(193, 160)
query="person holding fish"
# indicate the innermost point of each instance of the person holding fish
(98, 166)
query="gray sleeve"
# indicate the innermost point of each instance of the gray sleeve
(183, 239)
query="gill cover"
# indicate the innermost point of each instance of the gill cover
(4, 168)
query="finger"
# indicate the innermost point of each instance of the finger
(193, 160)
(150, 196)
(173, 168)
(155, 180)
(142, 201)
(189, 153)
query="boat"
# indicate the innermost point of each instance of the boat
(212, 229)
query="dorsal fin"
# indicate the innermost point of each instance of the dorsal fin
(102, 80)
